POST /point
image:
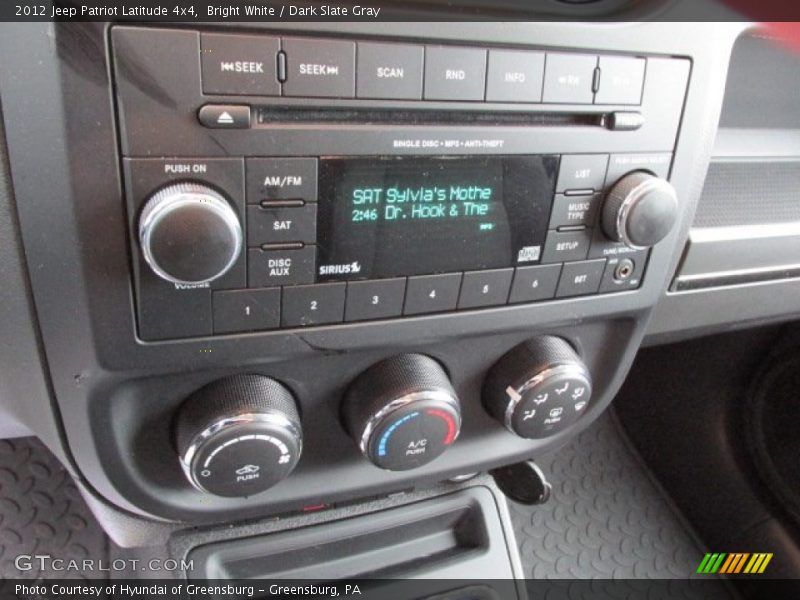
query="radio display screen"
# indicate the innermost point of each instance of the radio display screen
(400, 216)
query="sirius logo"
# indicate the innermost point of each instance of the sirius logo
(348, 269)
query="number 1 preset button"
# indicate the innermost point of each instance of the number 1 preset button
(432, 293)
(374, 299)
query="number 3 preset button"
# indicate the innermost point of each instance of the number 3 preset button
(374, 299)
(432, 293)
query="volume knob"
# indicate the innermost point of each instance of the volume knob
(189, 234)
(640, 210)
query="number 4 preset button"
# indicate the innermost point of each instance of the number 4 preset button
(432, 293)
(374, 299)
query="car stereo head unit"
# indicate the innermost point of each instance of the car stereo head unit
(305, 198)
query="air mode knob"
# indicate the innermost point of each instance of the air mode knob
(239, 435)
(402, 412)
(538, 388)
(640, 210)
(189, 234)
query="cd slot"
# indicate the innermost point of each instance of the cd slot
(274, 115)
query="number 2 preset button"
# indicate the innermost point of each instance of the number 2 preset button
(432, 293)
(374, 299)
(317, 304)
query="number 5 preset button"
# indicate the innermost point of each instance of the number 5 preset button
(374, 299)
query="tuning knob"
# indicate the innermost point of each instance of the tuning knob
(640, 210)
(189, 234)
(402, 412)
(239, 435)
(539, 388)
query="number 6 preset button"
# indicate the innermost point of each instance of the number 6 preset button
(432, 293)
(374, 299)
(317, 304)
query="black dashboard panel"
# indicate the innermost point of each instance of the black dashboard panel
(100, 106)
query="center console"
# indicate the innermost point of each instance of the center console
(299, 268)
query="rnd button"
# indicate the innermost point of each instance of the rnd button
(267, 268)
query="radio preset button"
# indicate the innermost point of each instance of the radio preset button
(378, 299)
(313, 304)
(514, 76)
(565, 246)
(582, 172)
(621, 80)
(568, 78)
(455, 73)
(432, 293)
(247, 310)
(243, 65)
(267, 268)
(391, 71)
(485, 288)
(281, 224)
(571, 211)
(319, 68)
(532, 284)
(580, 278)
(281, 179)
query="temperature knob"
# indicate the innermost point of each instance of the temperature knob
(239, 435)
(640, 210)
(402, 412)
(189, 234)
(539, 388)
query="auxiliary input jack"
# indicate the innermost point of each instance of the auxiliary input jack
(524, 483)
(624, 270)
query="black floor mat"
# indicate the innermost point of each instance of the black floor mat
(42, 514)
(605, 517)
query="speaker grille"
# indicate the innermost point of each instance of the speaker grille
(750, 193)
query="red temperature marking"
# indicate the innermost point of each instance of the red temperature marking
(451, 424)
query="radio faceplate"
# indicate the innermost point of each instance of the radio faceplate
(361, 204)
(332, 240)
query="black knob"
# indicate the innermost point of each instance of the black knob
(539, 388)
(189, 234)
(640, 210)
(239, 435)
(402, 412)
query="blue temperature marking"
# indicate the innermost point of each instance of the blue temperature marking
(390, 430)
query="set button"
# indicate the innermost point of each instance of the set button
(580, 278)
